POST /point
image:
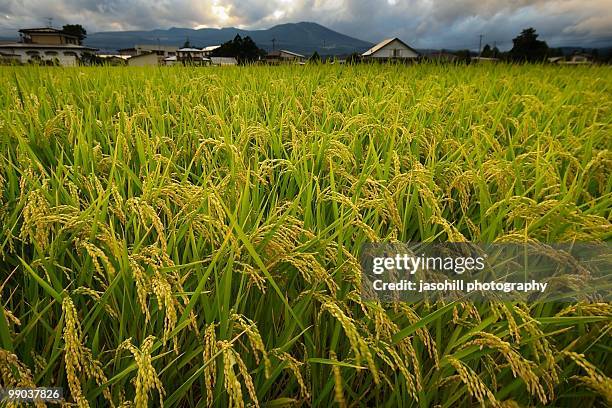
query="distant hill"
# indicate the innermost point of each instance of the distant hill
(304, 38)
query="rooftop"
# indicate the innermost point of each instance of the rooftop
(278, 52)
(45, 30)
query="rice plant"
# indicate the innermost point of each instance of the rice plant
(190, 237)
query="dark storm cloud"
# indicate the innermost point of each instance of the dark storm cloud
(423, 23)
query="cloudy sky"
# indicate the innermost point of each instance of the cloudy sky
(422, 23)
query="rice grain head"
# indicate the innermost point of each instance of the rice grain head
(146, 379)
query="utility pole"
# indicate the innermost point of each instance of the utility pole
(480, 45)
(273, 43)
(49, 22)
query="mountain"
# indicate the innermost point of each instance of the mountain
(304, 38)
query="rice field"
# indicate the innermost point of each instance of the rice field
(190, 237)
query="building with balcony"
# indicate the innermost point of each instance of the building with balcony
(46, 46)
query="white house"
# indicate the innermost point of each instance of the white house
(391, 49)
(46, 44)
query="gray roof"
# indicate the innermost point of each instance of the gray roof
(278, 52)
(293, 53)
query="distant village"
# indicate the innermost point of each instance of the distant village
(52, 46)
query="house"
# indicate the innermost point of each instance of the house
(47, 35)
(191, 56)
(149, 54)
(391, 49)
(576, 59)
(46, 45)
(147, 59)
(164, 51)
(284, 56)
(223, 61)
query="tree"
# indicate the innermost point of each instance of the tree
(527, 47)
(243, 49)
(187, 44)
(315, 57)
(77, 30)
(463, 56)
(486, 51)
